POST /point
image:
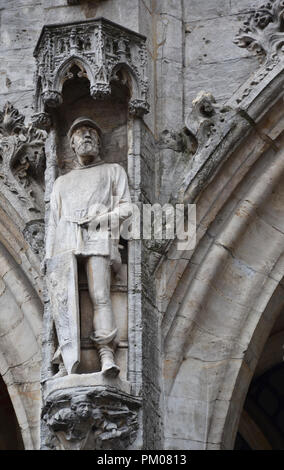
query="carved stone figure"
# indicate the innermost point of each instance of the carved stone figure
(87, 208)
(90, 418)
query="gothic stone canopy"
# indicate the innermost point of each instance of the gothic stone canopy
(99, 48)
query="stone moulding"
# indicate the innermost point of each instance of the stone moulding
(263, 30)
(100, 49)
(90, 418)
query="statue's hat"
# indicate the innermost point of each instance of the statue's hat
(84, 121)
(82, 398)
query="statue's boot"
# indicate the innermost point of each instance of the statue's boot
(62, 372)
(109, 368)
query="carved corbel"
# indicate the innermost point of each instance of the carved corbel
(138, 107)
(52, 98)
(90, 418)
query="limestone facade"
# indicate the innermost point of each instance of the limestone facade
(189, 97)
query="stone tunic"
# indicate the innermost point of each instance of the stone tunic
(84, 192)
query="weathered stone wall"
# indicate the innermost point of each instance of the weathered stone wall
(212, 61)
(190, 45)
(21, 24)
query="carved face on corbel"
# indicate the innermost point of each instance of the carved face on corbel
(85, 142)
(82, 406)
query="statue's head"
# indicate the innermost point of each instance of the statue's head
(85, 140)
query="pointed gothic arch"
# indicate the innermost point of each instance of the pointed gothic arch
(214, 299)
(20, 332)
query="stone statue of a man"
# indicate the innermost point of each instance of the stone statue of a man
(87, 206)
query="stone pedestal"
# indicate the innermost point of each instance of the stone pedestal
(89, 412)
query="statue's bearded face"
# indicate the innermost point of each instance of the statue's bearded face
(86, 144)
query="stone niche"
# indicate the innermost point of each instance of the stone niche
(95, 69)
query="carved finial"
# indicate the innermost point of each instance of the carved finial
(263, 30)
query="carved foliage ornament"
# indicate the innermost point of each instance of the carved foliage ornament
(100, 49)
(21, 157)
(263, 31)
(91, 419)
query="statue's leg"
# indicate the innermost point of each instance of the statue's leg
(105, 331)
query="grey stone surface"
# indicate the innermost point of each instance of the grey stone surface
(214, 39)
(198, 10)
(212, 62)
(21, 25)
(209, 308)
(223, 84)
(124, 12)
